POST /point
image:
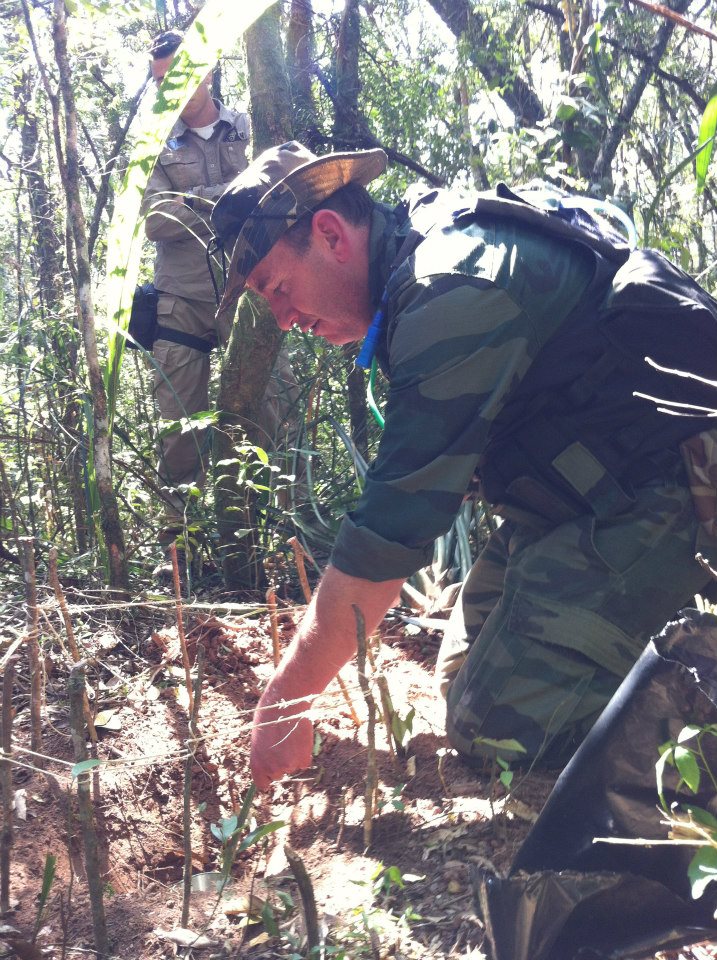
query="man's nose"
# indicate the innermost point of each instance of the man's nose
(284, 313)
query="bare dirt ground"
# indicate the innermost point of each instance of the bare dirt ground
(407, 896)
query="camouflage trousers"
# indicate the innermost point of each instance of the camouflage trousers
(549, 621)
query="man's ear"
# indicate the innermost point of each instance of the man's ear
(330, 232)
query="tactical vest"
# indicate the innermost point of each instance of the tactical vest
(574, 437)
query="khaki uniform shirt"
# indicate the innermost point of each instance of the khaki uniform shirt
(201, 170)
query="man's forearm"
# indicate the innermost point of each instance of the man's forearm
(325, 641)
(326, 637)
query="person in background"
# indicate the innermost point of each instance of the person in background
(205, 151)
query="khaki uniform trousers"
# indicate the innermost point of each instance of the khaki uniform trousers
(181, 389)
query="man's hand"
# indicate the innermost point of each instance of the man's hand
(278, 745)
(325, 640)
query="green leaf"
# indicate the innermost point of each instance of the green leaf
(83, 766)
(269, 920)
(402, 727)
(225, 829)
(688, 768)
(687, 733)
(702, 870)
(592, 37)
(666, 757)
(703, 817)
(263, 831)
(708, 128)
(246, 805)
(567, 109)
(506, 778)
(48, 877)
(512, 745)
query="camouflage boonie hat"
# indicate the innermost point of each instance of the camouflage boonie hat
(277, 188)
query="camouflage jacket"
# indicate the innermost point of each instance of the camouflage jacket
(467, 313)
(192, 167)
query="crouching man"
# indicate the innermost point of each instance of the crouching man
(513, 344)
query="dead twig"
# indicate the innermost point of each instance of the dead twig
(76, 691)
(6, 838)
(308, 900)
(180, 625)
(32, 640)
(371, 775)
(299, 554)
(188, 764)
(273, 620)
(662, 11)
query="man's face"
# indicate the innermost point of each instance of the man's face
(200, 99)
(313, 291)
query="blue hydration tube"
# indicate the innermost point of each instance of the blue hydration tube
(367, 356)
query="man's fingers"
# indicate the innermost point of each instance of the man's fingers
(260, 778)
(274, 756)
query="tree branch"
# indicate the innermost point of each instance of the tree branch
(615, 134)
(103, 193)
(668, 14)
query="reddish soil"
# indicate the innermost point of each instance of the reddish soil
(435, 819)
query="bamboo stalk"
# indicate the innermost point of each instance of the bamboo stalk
(371, 774)
(180, 625)
(386, 701)
(303, 580)
(299, 554)
(69, 630)
(6, 837)
(188, 764)
(76, 690)
(32, 641)
(387, 710)
(273, 620)
(308, 900)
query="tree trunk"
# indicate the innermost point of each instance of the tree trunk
(109, 513)
(252, 349)
(482, 44)
(347, 124)
(47, 257)
(268, 82)
(300, 68)
(255, 340)
(349, 127)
